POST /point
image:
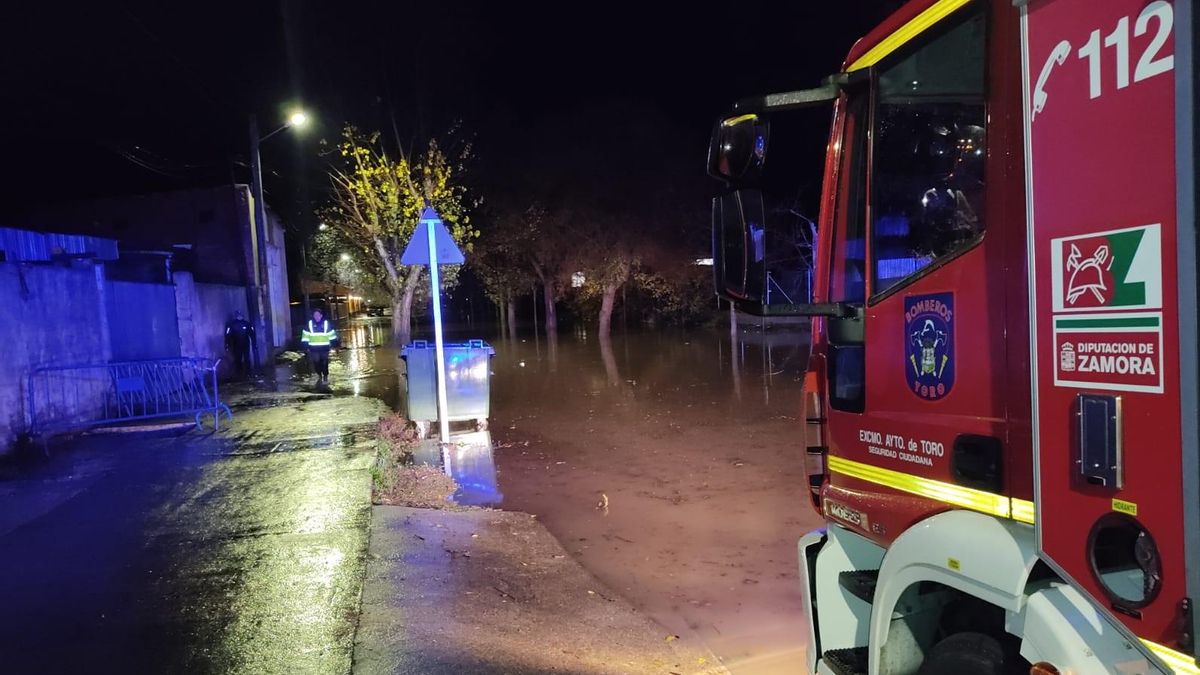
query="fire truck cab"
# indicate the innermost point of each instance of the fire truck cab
(1002, 398)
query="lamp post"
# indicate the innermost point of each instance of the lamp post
(260, 306)
(321, 227)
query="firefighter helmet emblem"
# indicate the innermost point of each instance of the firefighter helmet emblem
(1089, 275)
(929, 340)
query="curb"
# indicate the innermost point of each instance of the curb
(142, 428)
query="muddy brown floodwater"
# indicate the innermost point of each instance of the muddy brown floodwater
(670, 464)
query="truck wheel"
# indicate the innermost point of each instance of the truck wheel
(974, 653)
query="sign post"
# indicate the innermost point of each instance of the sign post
(432, 245)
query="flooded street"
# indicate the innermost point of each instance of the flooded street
(674, 472)
(670, 464)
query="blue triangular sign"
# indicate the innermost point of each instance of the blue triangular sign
(417, 252)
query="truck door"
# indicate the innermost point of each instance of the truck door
(936, 242)
(1105, 270)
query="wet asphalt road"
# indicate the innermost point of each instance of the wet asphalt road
(242, 552)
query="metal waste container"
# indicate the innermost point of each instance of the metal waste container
(468, 381)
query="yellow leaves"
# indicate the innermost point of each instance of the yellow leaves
(383, 197)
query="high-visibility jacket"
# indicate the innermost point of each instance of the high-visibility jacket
(321, 335)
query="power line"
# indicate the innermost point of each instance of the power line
(170, 53)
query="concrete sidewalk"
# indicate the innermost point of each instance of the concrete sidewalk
(493, 592)
(238, 552)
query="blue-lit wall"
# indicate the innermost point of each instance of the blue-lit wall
(52, 315)
(56, 315)
(142, 322)
(203, 310)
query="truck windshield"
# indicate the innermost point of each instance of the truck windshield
(927, 170)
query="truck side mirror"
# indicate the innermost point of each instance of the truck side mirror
(738, 149)
(740, 272)
(739, 246)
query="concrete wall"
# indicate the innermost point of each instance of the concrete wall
(216, 223)
(62, 316)
(142, 321)
(52, 315)
(203, 310)
(277, 282)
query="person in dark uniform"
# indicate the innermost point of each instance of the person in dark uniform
(239, 336)
(318, 336)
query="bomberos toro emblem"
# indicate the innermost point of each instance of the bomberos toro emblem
(929, 340)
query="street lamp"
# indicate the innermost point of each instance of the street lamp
(345, 257)
(260, 307)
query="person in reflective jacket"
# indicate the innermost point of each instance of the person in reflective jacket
(318, 336)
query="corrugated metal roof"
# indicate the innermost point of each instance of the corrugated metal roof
(25, 245)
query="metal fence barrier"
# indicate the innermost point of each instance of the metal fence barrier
(67, 398)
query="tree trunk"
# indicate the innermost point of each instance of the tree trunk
(401, 321)
(511, 310)
(402, 310)
(610, 361)
(551, 312)
(607, 300)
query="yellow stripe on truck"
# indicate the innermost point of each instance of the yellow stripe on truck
(1023, 510)
(1179, 662)
(949, 493)
(917, 25)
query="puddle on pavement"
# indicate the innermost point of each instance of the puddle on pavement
(470, 456)
(670, 464)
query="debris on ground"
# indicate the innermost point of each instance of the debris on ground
(396, 430)
(397, 480)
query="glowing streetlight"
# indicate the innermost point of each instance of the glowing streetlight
(322, 227)
(345, 257)
(298, 119)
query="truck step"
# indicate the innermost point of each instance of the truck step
(852, 661)
(860, 583)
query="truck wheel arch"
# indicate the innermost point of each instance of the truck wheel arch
(973, 553)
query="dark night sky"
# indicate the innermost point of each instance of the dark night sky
(93, 93)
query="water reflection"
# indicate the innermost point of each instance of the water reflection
(366, 363)
(736, 355)
(473, 466)
(552, 351)
(701, 367)
(534, 372)
(469, 458)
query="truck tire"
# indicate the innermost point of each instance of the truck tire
(969, 653)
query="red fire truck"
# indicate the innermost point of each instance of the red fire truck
(1003, 394)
